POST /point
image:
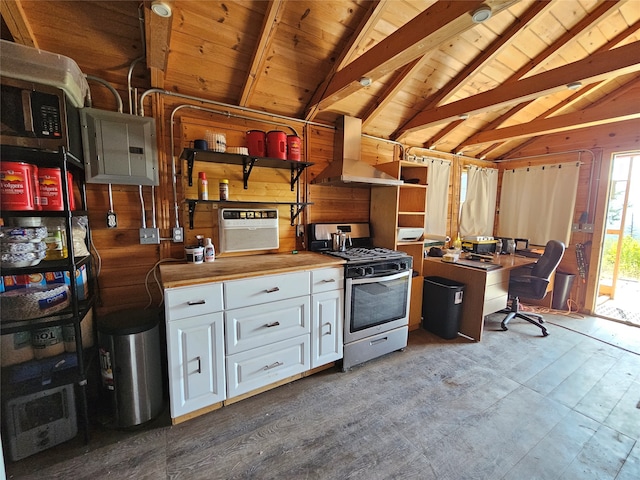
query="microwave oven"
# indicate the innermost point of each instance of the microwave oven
(39, 421)
(38, 116)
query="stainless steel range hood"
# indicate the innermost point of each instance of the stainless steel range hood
(347, 168)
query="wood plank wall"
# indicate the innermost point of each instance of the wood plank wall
(126, 264)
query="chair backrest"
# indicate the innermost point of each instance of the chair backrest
(549, 261)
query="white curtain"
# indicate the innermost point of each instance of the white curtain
(478, 210)
(438, 175)
(537, 203)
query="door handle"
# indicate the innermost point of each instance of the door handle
(272, 290)
(197, 302)
(328, 324)
(199, 370)
(272, 324)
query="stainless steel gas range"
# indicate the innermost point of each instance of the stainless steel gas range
(377, 290)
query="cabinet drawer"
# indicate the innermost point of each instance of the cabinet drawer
(327, 279)
(253, 291)
(253, 369)
(186, 302)
(259, 325)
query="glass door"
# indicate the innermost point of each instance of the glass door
(619, 282)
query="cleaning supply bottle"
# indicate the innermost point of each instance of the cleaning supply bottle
(457, 243)
(203, 186)
(209, 251)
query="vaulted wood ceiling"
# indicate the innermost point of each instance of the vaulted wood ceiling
(438, 79)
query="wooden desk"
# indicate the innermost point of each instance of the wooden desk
(485, 291)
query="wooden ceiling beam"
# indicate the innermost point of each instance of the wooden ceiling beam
(615, 110)
(370, 19)
(267, 34)
(157, 31)
(622, 60)
(489, 54)
(440, 22)
(573, 98)
(19, 27)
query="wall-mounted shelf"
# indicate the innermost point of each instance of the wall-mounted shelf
(296, 207)
(247, 162)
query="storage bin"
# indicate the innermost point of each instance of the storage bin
(442, 306)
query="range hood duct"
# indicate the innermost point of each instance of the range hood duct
(347, 168)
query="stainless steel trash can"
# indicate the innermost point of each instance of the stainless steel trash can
(131, 366)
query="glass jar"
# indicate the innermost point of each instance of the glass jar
(56, 243)
(224, 189)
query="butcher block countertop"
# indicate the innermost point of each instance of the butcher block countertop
(233, 268)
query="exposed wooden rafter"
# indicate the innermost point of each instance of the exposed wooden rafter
(442, 21)
(157, 36)
(19, 27)
(267, 33)
(622, 60)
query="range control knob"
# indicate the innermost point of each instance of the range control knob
(404, 266)
(368, 271)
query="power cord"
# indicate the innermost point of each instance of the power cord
(157, 280)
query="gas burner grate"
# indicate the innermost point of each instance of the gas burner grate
(368, 254)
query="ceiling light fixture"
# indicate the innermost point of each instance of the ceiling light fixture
(482, 14)
(463, 116)
(574, 85)
(365, 81)
(161, 9)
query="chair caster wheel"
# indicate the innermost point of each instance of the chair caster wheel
(545, 333)
(504, 327)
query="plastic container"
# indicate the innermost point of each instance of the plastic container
(209, 251)
(130, 365)
(224, 189)
(561, 290)
(442, 306)
(257, 143)
(46, 68)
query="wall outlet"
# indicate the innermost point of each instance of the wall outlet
(587, 227)
(178, 235)
(300, 230)
(575, 227)
(149, 236)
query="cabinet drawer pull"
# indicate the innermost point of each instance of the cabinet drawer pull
(272, 290)
(272, 324)
(329, 280)
(197, 302)
(273, 365)
(328, 324)
(199, 370)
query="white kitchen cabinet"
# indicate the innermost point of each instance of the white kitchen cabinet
(327, 307)
(326, 329)
(259, 325)
(195, 347)
(269, 288)
(259, 367)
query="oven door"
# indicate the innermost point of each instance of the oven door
(376, 304)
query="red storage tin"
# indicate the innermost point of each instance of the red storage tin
(294, 147)
(50, 186)
(277, 144)
(257, 143)
(19, 190)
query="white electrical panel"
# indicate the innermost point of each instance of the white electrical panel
(119, 148)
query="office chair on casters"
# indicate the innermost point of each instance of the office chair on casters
(533, 285)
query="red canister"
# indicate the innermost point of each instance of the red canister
(18, 189)
(277, 144)
(257, 143)
(294, 147)
(50, 185)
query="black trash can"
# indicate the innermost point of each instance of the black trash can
(442, 306)
(131, 368)
(561, 290)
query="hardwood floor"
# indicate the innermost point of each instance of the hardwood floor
(515, 406)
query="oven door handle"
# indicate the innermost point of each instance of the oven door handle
(378, 277)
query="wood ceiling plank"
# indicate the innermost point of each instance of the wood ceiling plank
(625, 59)
(613, 111)
(18, 24)
(440, 22)
(482, 60)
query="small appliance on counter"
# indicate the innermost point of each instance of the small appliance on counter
(479, 244)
